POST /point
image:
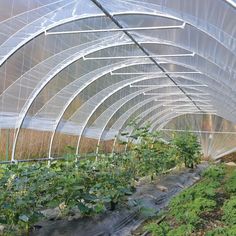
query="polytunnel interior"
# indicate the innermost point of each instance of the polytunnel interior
(76, 72)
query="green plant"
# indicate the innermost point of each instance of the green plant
(222, 231)
(87, 186)
(215, 172)
(183, 230)
(229, 210)
(189, 211)
(152, 154)
(200, 207)
(230, 184)
(157, 229)
(26, 189)
(189, 148)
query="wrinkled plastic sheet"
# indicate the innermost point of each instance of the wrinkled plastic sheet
(124, 220)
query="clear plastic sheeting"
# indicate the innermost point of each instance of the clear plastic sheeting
(76, 72)
(217, 136)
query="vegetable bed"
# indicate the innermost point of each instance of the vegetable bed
(70, 190)
(207, 208)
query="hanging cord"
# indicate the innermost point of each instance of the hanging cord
(114, 20)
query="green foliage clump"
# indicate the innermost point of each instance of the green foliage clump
(157, 229)
(208, 200)
(186, 209)
(156, 156)
(222, 231)
(189, 148)
(229, 210)
(88, 186)
(215, 172)
(152, 154)
(182, 230)
(26, 190)
(230, 184)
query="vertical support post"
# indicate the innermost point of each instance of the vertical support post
(97, 150)
(77, 157)
(126, 145)
(113, 146)
(50, 148)
(0, 144)
(7, 144)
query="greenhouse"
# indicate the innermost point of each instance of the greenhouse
(114, 113)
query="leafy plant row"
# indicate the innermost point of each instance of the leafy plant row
(86, 187)
(208, 208)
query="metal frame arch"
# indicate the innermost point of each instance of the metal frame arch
(92, 112)
(180, 19)
(164, 111)
(66, 20)
(191, 79)
(116, 45)
(79, 141)
(120, 106)
(122, 127)
(47, 79)
(151, 109)
(139, 106)
(150, 88)
(75, 95)
(169, 119)
(68, 105)
(130, 112)
(167, 94)
(136, 107)
(26, 108)
(140, 91)
(120, 103)
(174, 44)
(171, 62)
(218, 102)
(167, 110)
(165, 123)
(132, 96)
(158, 123)
(43, 29)
(165, 42)
(159, 126)
(56, 24)
(91, 80)
(153, 118)
(87, 47)
(213, 95)
(128, 42)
